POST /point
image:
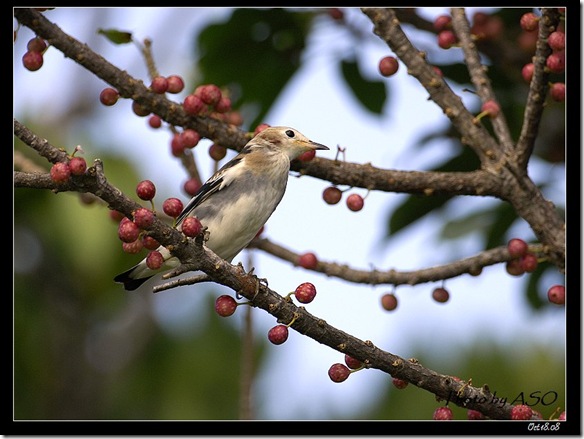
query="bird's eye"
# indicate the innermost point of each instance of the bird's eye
(290, 133)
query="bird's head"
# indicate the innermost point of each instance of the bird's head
(286, 139)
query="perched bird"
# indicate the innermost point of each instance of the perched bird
(238, 199)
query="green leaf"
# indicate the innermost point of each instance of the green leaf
(254, 53)
(116, 36)
(471, 223)
(372, 94)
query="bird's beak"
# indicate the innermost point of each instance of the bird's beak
(315, 145)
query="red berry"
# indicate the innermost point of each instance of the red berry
(491, 108)
(150, 243)
(474, 415)
(177, 146)
(517, 247)
(217, 152)
(442, 22)
(146, 190)
(556, 62)
(352, 363)
(529, 21)
(305, 292)
(389, 302)
(109, 96)
(175, 84)
(191, 226)
(154, 260)
(529, 262)
(224, 105)
(143, 217)
(557, 294)
(260, 128)
(278, 334)
(32, 60)
(132, 247)
(443, 414)
(194, 105)
(78, 165)
(521, 412)
(116, 216)
(400, 384)
(446, 39)
(190, 138)
(308, 261)
(128, 231)
(155, 121)
(514, 267)
(355, 202)
(388, 66)
(556, 40)
(209, 93)
(332, 195)
(36, 44)
(562, 416)
(527, 71)
(60, 172)
(336, 13)
(338, 372)
(225, 305)
(192, 186)
(558, 91)
(159, 84)
(440, 295)
(307, 156)
(172, 207)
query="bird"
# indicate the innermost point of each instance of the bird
(237, 200)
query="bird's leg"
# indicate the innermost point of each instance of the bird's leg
(257, 280)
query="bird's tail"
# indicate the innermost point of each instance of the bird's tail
(140, 273)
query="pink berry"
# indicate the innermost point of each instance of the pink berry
(562, 416)
(557, 294)
(557, 40)
(307, 156)
(529, 262)
(192, 186)
(191, 226)
(260, 128)
(209, 93)
(355, 202)
(517, 247)
(491, 108)
(175, 84)
(440, 295)
(474, 415)
(154, 260)
(224, 105)
(305, 292)
(225, 305)
(177, 146)
(146, 190)
(442, 22)
(388, 66)
(529, 21)
(128, 231)
(78, 165)
(556, 62)
(446, 39)
(352, 363)
(60, 172)
(155, 121)
(400, 384)
(150, 243)
(521, 412)
(139, 110)
(558, 91)
(36, 44)
(332, 195)
(132, 247)
(32, 60)
(527, 71)
(194, 105)
(172, 207)
(443, 414)
(308, 261)
(338, 372)
(159, 84)
(190, 138)
(278, 334)
(514, 268)
(143, 217)
(109, 96)
(389, 302)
